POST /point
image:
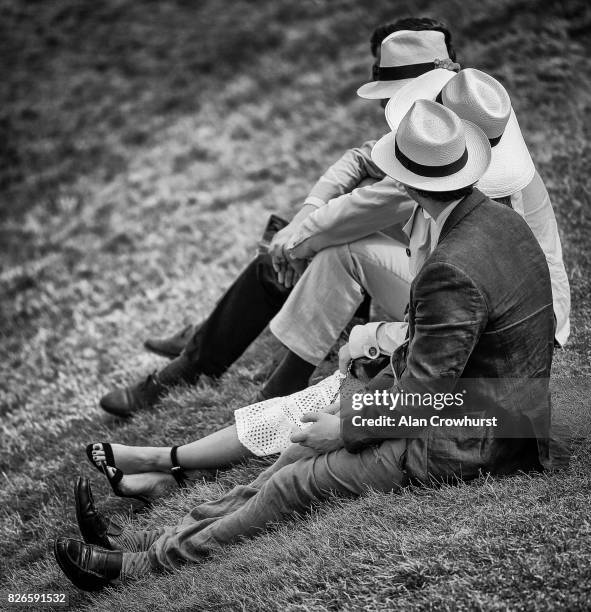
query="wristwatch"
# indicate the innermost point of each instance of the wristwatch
(370, 351)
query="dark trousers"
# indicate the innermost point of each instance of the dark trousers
(243, 312)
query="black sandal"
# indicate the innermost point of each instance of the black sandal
(114, 481)
(176, 470)
(109, 457)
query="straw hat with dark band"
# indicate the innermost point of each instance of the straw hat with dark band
(433, 149)
(477, 97)
(404, 55)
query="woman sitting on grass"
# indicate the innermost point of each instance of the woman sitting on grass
(261, 429)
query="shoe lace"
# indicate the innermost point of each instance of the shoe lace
(150, 382)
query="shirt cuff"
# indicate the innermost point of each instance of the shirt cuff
(391, 336)
(294, 242)
(363, 341)
(314, 201)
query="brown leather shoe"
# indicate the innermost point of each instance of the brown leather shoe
(94, 526)
(173, 345)
(89, 567)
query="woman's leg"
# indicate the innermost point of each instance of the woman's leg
(261, 433)
(151, 464)
(217, 450)
(134, 541)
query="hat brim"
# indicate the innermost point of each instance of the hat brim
(479, 156)
(511, 167)
(424, 87)
(378, 90)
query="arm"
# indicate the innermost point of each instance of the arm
(344, 175)
(351, 216)
(447, 316)
(534, 202)
(373, 339)
(353, 167)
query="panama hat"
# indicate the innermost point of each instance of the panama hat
(477, 97)
(433, 149)
(404, 55)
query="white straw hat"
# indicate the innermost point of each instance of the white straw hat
(481, 99)
(433, 149)
(404, 55)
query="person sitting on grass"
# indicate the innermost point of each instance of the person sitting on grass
(480, 308)
(342, 232)
(264, 428)
(352, 200)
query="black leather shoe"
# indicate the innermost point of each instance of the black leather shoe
(146, 393)
(173, 345)
(94, 526)
(127, 400)
(90, 568)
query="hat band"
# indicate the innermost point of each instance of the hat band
(431, 171)
(396, 73)
(493, 141)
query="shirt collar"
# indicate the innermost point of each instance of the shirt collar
(407, 228)
(437, 224)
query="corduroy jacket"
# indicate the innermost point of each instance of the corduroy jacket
(480, 309)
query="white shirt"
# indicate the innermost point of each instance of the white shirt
(423, 233)
(355, 199)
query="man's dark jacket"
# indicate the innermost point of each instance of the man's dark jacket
(480, 308)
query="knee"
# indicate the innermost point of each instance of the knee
(293, 453)
(330, 257)
(290, 486)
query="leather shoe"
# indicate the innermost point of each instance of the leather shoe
(90, 568)
(146, 393)
(125, 401)
(173, 345)
(94, 526)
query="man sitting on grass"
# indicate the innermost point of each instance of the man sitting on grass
(350, 230)
(352, 200)
(480, 308)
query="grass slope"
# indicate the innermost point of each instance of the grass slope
(141, 147)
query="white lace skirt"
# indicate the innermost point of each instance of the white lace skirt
(264, 428)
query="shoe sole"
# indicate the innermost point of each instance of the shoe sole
(79, 520)
(78, 509)
(160, 352)
(89, 540)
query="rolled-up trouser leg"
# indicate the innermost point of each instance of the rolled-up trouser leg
(332, 288)
(239, 317)
(291, 490)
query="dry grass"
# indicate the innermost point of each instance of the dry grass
(141, 147)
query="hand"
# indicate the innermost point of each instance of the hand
(291, 271)
(333, 408)
(288, 270)
(345, 358)
(288, 273)
(277, 249)
(324, 436)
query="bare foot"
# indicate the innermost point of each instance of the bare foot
(150, 484)
(129, 459)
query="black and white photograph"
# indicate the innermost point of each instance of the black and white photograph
(295, 305)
